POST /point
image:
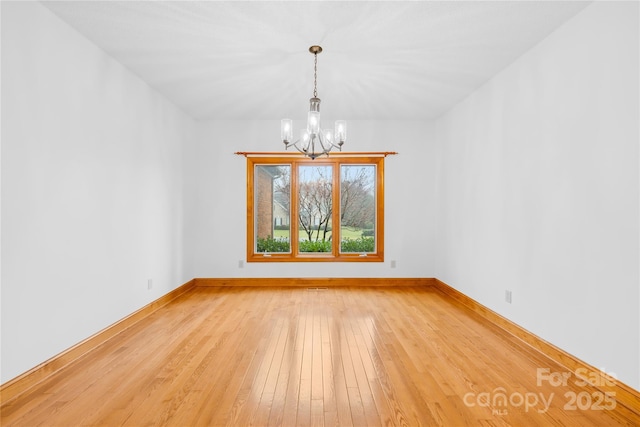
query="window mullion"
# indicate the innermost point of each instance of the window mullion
(335, 214)
(293, 211)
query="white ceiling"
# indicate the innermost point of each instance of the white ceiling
(250, 59)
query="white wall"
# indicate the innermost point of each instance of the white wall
(538, 190)
(215, 195)
(91, 189)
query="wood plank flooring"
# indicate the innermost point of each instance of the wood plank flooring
(342, 356)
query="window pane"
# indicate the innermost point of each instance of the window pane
(357, 208)
(272, 219)
(315, 207)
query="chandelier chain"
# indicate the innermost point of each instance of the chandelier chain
(315, 75)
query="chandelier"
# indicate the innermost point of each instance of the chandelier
(314, 141)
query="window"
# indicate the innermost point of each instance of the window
(329, 209)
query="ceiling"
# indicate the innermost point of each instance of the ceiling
(250, 59)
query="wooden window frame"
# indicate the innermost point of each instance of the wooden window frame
(335, 255)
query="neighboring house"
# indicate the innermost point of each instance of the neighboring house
(281, 214)
(272, 206)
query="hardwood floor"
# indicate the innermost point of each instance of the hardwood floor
(241, 356)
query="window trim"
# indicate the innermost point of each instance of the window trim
(335, 255)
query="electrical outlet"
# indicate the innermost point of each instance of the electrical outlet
(241, 264)
(393, 263)
(149, 283)
(507, 296)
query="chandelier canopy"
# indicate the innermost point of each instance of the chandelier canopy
(314, 141)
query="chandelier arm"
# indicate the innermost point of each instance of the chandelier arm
(334, 145)
(327, 145)
(323, 143)
(297, 147)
